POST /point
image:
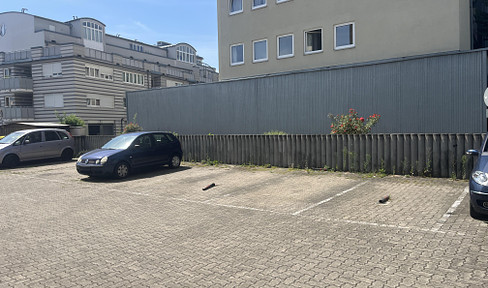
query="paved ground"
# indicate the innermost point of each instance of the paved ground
(257, 227)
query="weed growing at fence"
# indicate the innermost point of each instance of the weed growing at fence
(275, 132)
(464, 162)
(428, 169)
(209, 162)
(405, 164)
(367, 163)
(382, 169)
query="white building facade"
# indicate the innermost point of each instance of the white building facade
(74, 67)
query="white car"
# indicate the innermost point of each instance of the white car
(35, 144)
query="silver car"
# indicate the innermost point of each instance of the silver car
(35, 144)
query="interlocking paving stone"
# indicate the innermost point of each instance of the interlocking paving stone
(159, 229)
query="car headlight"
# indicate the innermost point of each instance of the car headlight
(480, 177)
(104, 160)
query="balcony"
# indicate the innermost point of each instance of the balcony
(16, 84)
(16, 56)
(9, 114)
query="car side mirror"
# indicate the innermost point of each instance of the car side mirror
(27, 141)
(473, 152)
(137, 146)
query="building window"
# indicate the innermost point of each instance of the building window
(99, 72)
(237, 54)
(101, 129)
(136, 47)
(92, 31)
(260, 50)
(235, 6)
(51, 70)
(7, 102)
(344, 36)
(6, 72)
(53, 101)
(258, 4)
(285, 46)
(133, 78)
(93, 100)
(313, 41)
(185, 54)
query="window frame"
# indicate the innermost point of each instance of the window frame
(253, 7)
(243, 49)
(349, 46)
(6, 73)
(292, 46)
(254, 60)
(281, 1)
(237, 11)
(305, 33)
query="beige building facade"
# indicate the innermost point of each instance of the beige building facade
(258, 37)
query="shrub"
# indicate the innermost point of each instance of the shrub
(275, 132)
(352, 123)
(71, 119)
(132, 126)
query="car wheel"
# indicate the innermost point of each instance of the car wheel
(476, 215)
(10, 161)
(121, 170)
(175, 161)
(67, 155)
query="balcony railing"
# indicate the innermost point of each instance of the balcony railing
(8, 114)
(24, 55)
(15, 83)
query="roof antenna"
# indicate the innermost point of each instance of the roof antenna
(24, 9)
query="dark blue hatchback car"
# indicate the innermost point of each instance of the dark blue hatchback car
(478, 183)
(128, 152)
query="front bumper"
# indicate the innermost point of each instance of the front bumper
(94, 170)
(479, 201)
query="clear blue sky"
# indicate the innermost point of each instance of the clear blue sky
(148, 21)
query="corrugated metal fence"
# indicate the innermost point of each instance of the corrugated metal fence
(436, 155)
(440, 93)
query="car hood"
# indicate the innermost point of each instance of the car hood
(100, 153)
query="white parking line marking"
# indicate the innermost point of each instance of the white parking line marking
(436, 228)
(329, 199)
(451, 211)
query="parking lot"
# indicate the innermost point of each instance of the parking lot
(257, 227)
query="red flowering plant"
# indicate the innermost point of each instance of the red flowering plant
(132, 126)
(352, 124)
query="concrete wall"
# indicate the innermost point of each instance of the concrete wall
(384, 29)
(434, 94)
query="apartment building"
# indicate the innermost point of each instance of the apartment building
(258, 37)
(74, 67)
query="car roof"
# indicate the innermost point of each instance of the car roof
(40, 129)
(147, 132)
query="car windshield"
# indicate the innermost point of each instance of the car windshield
(120, 142)
(11, 138)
